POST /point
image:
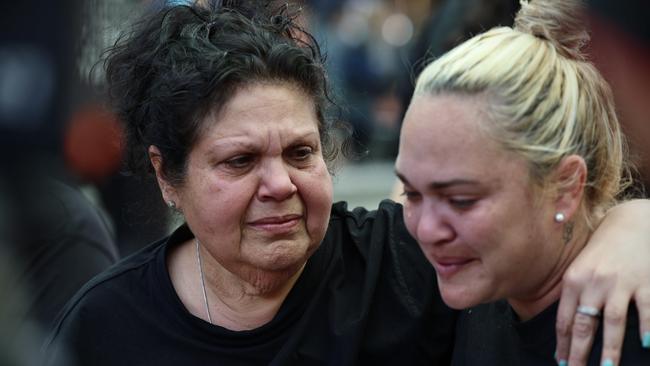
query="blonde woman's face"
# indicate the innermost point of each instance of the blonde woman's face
(470, 204)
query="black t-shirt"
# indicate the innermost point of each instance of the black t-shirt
(491, 334)
(366, 296)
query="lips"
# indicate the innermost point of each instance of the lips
(449, 266)
(277, 224)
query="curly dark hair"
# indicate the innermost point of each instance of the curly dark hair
(182, 62)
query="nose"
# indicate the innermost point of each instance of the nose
(431, 227)
(275, 182)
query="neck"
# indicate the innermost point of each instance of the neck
(548, 290)
(236, 301)
(247, 300)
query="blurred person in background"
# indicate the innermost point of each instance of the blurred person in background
(124, 197)
(52, 239)
(620, 47)
(227, 105)
(450, 23)
(366, 42)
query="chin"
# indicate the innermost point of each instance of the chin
(286, 256)
(459, 297)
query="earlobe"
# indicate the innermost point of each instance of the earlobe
(571, 175)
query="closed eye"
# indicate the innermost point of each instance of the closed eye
(462, 203)
(411, 195)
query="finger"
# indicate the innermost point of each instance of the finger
(582, 337)
(642, 299)
(564, 321)
(614, 325)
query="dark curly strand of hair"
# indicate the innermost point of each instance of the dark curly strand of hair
(186, 61)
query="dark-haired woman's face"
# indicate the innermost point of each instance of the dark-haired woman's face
(257, 193)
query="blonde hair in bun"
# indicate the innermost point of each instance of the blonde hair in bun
(545, 99)
(557, 21)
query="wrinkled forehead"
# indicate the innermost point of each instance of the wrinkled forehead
(266, 101)
(263, 111)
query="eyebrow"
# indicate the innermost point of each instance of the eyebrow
(442, 184)
(306, 135)
(241, 140)
(229, 141)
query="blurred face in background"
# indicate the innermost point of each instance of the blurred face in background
(471, 205)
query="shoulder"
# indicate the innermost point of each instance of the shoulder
(383, 225)
(378, 236)
(387, 210)
(105, 295)
(381, 271)
(375, 235)
(376, 243)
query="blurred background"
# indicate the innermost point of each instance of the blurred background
(67, 210)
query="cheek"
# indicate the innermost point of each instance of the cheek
(410, 219)
(486, 230)
(502, 238)
(236, 197)
(316, 191)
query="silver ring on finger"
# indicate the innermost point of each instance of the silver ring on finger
(588, 311)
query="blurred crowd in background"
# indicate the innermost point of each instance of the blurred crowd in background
(58, 139)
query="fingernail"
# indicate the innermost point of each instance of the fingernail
(562, 363)
(608, 362)
(646, 340)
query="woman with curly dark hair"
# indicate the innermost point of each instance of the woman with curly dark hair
(228, 107)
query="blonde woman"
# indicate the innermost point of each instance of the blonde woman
(510, 154)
